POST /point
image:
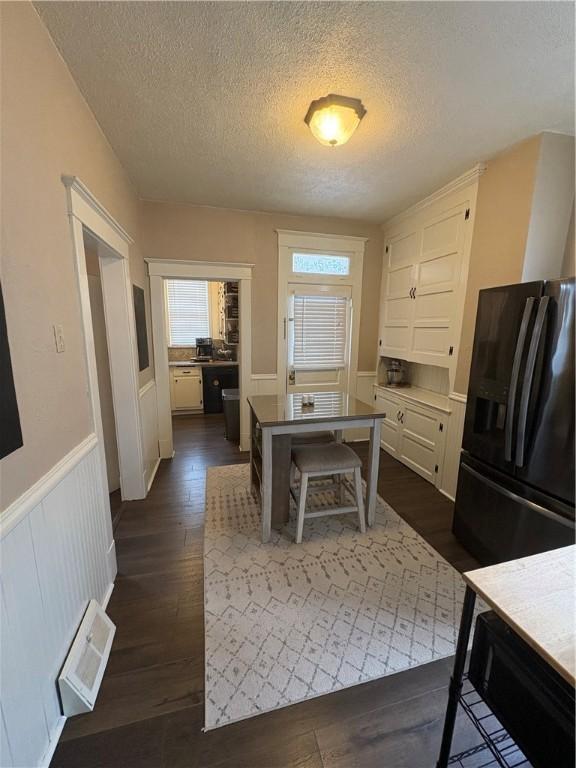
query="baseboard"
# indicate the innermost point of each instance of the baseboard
(111, 560)
(108, 594)
(24, 504)
(153, 474)
(54, 739)
(166, 449)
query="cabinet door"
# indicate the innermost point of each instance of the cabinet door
(187, 392)
(390, 424)
(437, 277)
(398, 309)
(421, 441)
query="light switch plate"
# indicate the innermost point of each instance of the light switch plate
(59, 338)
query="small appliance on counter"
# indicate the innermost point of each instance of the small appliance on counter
(395, 374)
(204, 350)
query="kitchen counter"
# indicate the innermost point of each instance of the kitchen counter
(419, 396)
(184, 364)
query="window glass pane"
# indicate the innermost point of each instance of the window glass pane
(188, 311)
(320, 264)
(319, 332)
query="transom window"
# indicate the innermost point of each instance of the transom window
(188, 308)
(320, 264)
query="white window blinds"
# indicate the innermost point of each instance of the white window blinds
(319, 332)
(188, 311)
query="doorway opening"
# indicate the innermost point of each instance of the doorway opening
(203, 343)
(90, 222)
(238, 277)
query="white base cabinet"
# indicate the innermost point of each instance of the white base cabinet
(186, 389)
(413, 431)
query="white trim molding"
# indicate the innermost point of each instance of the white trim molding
(449, 480)
(25, 503)
(460, 182)
(85, 212)
(149, 413)
(203, 270)
(160, 270)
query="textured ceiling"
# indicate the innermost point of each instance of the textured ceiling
(204, 102)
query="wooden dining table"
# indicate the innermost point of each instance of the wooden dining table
(275, 419)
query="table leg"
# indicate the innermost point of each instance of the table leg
(373, 467)
(455, 686)
(266, 483)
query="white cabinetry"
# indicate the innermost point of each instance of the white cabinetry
(413, 429)
(425, 268)
(390, 424)
(186, 389)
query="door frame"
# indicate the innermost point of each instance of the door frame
(160, 270)
(85, 212)
(310, 242)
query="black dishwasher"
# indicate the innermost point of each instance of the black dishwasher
(215, 378)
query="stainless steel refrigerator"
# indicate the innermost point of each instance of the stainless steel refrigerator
(515, 493)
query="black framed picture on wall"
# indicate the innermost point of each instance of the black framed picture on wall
(10, 430)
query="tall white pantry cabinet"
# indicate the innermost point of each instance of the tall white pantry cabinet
(424, 273)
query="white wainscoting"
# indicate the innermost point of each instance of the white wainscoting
(264, 384)
(453, 445)
(57, 552)
(149, 416)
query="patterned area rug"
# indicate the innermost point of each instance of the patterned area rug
(287, 622)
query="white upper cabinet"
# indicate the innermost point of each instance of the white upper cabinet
(437, 280)
(396, 318)
(425, 267)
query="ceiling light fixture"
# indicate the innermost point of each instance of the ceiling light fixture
(333, 119)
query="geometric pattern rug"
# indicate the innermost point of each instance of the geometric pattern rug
(286, 622)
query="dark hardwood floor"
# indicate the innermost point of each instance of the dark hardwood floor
(149, 712)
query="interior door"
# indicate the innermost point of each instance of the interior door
(436, 279)
(318, 336)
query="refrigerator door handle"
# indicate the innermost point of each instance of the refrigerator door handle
(509, 427)
(528, 380)
(520, 499)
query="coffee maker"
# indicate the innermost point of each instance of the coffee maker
(204, 350)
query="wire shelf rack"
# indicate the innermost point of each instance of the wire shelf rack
(498, 749)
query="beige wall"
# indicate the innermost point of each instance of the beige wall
(199, 233)
(47, 130)
(503, 213)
